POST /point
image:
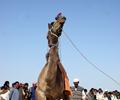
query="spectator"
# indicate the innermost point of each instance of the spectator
(76, 85)
(21, 91)
(15, 91)
(109, 96)
(99, 95)
(105, 95)
(113, 96)
(91, 94)
(84, 94)
(76, 90)
(32, 91)
(5, 91)
(26, 92)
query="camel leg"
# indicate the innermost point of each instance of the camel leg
(49, 98)
(40, 95)
(67, 97)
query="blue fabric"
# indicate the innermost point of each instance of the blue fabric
(15, 95)
(33, 93)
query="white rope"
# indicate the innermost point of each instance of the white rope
(59, 48)
(50, 30)
(53, 34)
(91, 63)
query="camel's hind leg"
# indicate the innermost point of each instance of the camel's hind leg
(40, 95)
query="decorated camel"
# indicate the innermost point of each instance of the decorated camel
(53, 83)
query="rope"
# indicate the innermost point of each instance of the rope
(91, 63)
(54, 34)
(59, 48)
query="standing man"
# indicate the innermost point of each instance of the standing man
(15, 92)
(32, 91)
(76, 90)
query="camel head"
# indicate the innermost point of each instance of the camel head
(55, 30)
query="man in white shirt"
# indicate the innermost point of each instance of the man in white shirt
(99, 95)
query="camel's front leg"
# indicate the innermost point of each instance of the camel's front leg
(40, 95)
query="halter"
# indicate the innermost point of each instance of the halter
(51, 32)
(54, 34)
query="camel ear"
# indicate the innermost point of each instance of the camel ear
(49, 26)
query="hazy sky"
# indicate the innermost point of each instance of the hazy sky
(93, 25)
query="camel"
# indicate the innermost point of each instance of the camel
(53, 83)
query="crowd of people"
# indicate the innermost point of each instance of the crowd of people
(20, 91)
(98, 94)
(80, 93)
